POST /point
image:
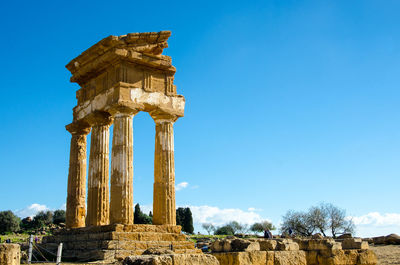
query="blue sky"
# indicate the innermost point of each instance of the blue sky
(288, 104)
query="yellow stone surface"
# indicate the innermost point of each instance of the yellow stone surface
(121, 201)
(297, 257)
(118, 77)
(367, 257)
(241, 258)
(98, 189)
(76, 191)
(164, 171)
(10, 254)
(172, 259)
(323, 252)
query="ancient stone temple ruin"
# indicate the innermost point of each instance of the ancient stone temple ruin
(119, 77)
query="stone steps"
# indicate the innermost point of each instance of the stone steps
(113, 254)
(137, 236)
(117, 241)
(120, 253)
(120, 245)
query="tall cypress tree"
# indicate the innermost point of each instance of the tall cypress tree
(188, 225)
(180, 216)
(140, 217)
(137, 214)
(184, 218)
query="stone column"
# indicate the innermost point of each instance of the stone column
(76, 194)
(121, 205)
(98, 191)
(164, 210)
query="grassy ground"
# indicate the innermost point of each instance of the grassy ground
(15, 238)
(389, 254)
(195, 238)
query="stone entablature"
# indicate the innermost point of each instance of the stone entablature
(120, 76)
(126, 71)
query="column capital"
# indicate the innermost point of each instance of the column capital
(78, 128)
(162, 117)
(99, 118)
(121, 111)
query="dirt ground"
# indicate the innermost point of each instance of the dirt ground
(389, 254)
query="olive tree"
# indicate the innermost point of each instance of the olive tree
(324, 218)
(262, 226)
(9, 222)
(209, 227)
(337, 222)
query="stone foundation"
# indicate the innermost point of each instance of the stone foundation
(10, 254)
(172, 259)
(115, 242)
(352, 251)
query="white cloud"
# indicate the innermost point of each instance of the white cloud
(146, 208)
(181, 186)
(63, 206)
(217, 216)
(31, 210)
(252, 209)
(377, 219)
(376, 224)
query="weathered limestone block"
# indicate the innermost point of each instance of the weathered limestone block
(146, 236)
(303, 243)
(270, 258)
(244, 245)
(131, 96)
(217, 246)
(312, 257)
(227, 245)
(126, 71)
(76, 191)
(176, 229)
(268, 244)
(297, 257)
(157, 251)
(148, 260)
(173, 259)
(10, 254)
(98, 190)
(323, 244)
(242, 258)
(221, 245)
(338, 257)
(347, 257)
(367, 257)
(121, 200)
(194, 259)
(287, 245)
(354, 243)
(164, 210)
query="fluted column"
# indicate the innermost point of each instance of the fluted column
(164, 210)
(121, 206)
(76, 193)
(98, 190)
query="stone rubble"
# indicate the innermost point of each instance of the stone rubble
(351, 251)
